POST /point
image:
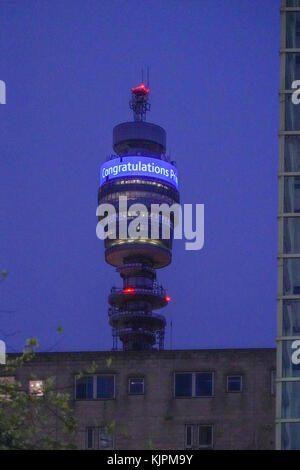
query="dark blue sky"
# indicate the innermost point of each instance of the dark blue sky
(68, 66)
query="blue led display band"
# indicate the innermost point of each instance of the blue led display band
(139, 166)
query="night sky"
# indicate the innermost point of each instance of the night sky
(214, 79)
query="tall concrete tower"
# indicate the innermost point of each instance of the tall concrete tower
(141, 171)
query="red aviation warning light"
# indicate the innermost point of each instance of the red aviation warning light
(129, 290)
(139, 102)
(140, 90)
(168, 298)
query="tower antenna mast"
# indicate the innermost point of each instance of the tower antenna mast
(139, 102)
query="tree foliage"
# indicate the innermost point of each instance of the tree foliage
(30, 420)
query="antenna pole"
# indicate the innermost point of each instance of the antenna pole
(139, 102)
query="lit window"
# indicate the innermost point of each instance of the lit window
(136, 386)
(194, 384)
(36, 387)
(234, 383)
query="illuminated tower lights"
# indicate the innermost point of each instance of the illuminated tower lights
(140, 171)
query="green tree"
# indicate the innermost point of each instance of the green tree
(30, 420)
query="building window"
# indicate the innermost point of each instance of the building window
(292, 150)
(194, 384)
(291, 317)
(84, 388)
(199, 436)
(99, 438)
(234, 383)
(290, 436)
(95, 387)
(189, 429)
(183, 385)
(36, 387)
(292, 30)
(136, 386)
(205, 436)
(90, 444)
(292, 69)
(291, 202)
(105, 386)
(293, 3)
(204, 384)
(291, 272)
(291, 235)
(290, 400)
(106, 438)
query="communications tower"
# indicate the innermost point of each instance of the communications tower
(140, 171)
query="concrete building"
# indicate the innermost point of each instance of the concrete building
(164, 399)
(288, 330)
